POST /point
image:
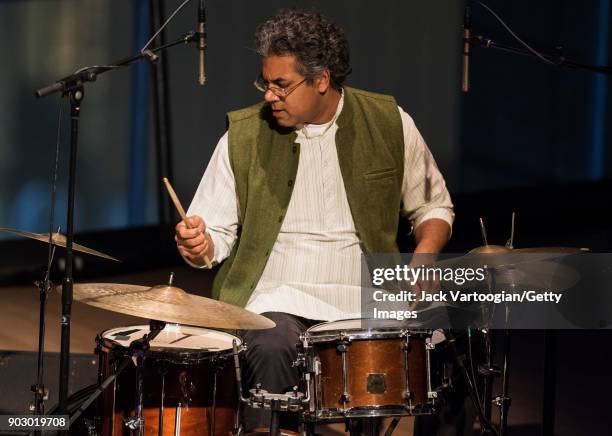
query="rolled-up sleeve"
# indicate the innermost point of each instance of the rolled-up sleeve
(424, 193)
(216, 202)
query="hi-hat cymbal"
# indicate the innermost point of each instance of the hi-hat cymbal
(170, 304)
(59, 240)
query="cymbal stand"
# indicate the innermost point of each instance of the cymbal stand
(503, 401)
(136, 355)
(44, 287)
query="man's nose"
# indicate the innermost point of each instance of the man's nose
(270, 97)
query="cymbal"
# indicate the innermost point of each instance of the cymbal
(170, 304)
(59, 240)
(495, 256)
(537, 275)
(552, 250)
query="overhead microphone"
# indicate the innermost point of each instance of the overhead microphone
(201, 41)
(465, 76)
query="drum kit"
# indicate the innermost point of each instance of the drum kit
(181, 374)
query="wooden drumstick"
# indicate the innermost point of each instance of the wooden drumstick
(181, 212)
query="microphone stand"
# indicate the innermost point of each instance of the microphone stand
(73, 87)
(557, 59)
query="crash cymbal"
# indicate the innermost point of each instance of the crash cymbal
(170, 304)
(59, 240)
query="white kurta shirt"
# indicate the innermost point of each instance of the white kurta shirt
(314, 268)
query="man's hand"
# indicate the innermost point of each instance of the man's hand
(194, 243)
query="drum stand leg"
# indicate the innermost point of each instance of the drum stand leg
(275, 418)
(392, 426)
(308, 429)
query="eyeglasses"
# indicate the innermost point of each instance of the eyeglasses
(262, 85)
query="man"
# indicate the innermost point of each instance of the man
(301, 186)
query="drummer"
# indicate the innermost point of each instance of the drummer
(300, 186)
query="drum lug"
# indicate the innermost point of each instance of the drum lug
(500, 401)
(133, 422)
(342, 348)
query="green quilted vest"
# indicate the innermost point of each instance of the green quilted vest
(264, 160)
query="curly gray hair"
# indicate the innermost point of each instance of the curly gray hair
(317, 44)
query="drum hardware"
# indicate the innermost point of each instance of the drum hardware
(342, 348)
(431, 394)
(384, 372)
(162, 372)
(41, 393)
(408, 394)
(177, 420)
(180, 389)
(392, 426)
(489, 371)
(73, 87)
(294, 401)
(136, 352)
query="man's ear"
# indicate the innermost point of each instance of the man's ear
(324, 82)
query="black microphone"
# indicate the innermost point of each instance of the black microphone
(201, 41)
(465, 76)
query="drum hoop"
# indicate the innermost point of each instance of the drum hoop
(176, 355)
(362, 333)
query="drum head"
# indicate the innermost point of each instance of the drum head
(175, 339)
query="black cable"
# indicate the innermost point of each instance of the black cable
(514, 35)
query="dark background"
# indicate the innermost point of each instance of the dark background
(528, 137)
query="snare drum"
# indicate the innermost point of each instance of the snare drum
(368, 372)
(189, 382)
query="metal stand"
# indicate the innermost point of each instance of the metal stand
(72, 86)
(259, 398)
(76, 95)
(503, 401)
(40, 392)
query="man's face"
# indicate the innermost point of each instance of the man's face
(303, 104)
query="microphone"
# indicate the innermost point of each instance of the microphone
(465, 75)
(201, 41)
